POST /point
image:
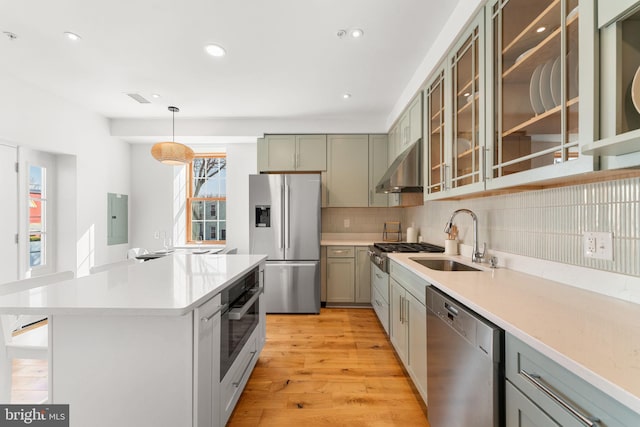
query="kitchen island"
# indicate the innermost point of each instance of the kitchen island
(140, 345)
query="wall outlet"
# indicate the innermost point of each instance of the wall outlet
(598, 245)
(156, 234)
(347, 223)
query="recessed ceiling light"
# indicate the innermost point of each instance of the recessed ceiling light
(215, 50)
(10, 35)
(357, 33)
(541, 29)
(72, 36)
(155, 95)
(346, 96)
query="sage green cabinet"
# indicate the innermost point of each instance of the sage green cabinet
(284, 153)
(398, 331)
(378, 152)
(410, 126)
(408, 323)
(348, 171)
(394, 136)
(348, 275)
(619, 133)
(534, 379)
(522, 412)
(363, 275)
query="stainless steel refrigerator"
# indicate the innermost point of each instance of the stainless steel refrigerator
(284, 224)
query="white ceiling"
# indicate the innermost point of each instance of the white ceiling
(284, 60)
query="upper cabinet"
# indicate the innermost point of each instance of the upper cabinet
(434, 141)
(537, 102)
(347, 180)
(378, 152)
(410, 127)
(454, 105)
(619, 143)
(467, 105)
(283, 153)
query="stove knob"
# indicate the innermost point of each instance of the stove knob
(378, 260)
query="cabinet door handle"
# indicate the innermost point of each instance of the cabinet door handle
(218, 310)
(402, 309)
(237, 384)
(378, 276)
(534, 379)
(406, 311)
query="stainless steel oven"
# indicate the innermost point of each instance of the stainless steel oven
(240, 317)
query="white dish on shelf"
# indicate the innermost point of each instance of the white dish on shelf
(572, 76)
(523, 55)
(573, 12)
(545, 86)
(556, 82)
(635, 90)
(534, 91)
(463, 145)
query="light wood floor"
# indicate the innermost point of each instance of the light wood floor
(333, 369)
(336, 368)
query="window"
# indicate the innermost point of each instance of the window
(207, 199)
(37, 217)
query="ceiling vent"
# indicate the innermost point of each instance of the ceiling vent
(141, 99)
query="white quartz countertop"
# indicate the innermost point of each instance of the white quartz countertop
(594, 336)
(172, 285)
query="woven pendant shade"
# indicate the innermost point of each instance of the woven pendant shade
(172, 153)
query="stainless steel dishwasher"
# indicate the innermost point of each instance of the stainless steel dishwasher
(465, 374)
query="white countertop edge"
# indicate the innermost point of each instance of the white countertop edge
(612, 389)
(132, 310)
(347, 242)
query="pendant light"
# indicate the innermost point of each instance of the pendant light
(172, 153)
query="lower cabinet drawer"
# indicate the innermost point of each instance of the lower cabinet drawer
(562, 395)
(233, 383)
(521, 412)
(380, 282)
(381, 307)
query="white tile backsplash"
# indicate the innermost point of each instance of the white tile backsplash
(547, 224)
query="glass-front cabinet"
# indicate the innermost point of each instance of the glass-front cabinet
(534, 78)
(454, 105)
(467, 104)
(434, 143)
(619, 143)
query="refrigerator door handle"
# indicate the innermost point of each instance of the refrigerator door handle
(282, 220)
(288, 213)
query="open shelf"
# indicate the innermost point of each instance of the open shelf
(546, 50)
(528, 36)
(540, 125)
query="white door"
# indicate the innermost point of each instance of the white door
(9, 223)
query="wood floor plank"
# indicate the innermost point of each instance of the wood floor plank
(337, 368)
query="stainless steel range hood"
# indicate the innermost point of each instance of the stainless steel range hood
(405, 173)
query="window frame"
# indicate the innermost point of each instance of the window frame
(43, 232)
(191, 199)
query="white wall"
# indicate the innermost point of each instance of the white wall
(158, 196)
(242, 162)
(38, 119)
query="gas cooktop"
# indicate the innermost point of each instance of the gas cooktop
(407, 247)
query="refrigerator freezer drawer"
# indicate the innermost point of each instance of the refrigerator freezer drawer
(292, 287)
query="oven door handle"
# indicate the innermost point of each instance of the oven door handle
(239, 312)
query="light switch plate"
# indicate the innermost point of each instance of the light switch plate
(598, 245)
(347, 223)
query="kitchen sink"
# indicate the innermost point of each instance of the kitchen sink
(443, 264)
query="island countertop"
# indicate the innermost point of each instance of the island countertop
(172, 285)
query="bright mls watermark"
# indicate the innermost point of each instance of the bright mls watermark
(34, 415)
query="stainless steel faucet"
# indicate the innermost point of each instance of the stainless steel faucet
(477, 256)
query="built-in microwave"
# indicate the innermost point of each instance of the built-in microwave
(239, 317)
